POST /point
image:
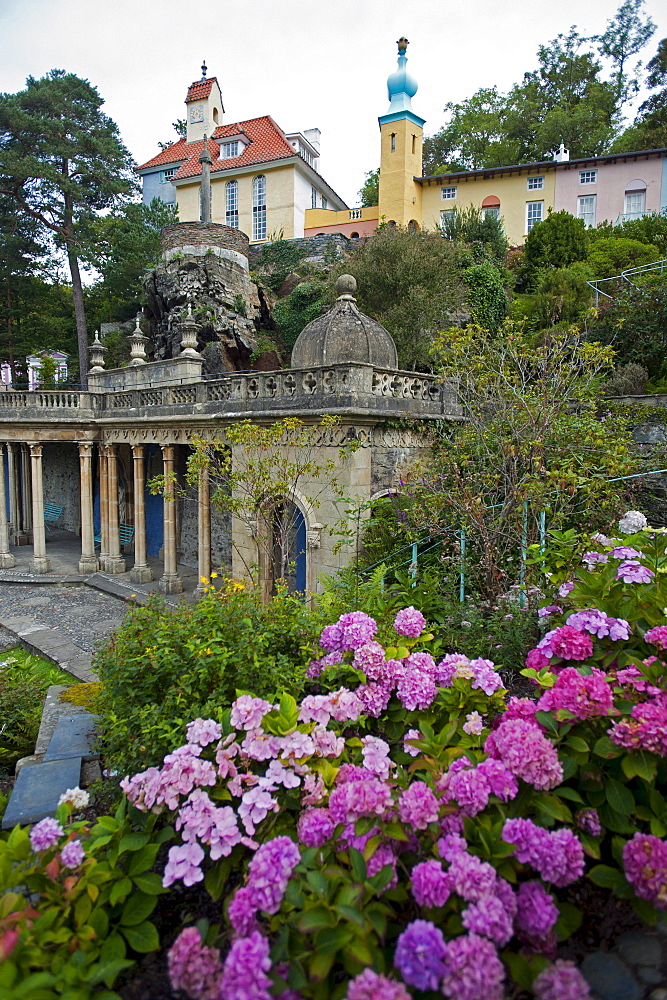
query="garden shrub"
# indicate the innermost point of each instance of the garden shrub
(163, 665)
(24, 681)
(627, 380)
(611, 255)
(407, 829)
(76, 901)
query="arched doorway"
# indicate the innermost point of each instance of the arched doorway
(288, 548)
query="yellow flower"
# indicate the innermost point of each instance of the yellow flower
(203, 579)
(208, 652)
(213, 576)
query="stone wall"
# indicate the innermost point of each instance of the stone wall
(321, 249)
(60, 464)
(203, 234)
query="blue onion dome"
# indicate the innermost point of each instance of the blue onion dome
(344, 336)
(401, 87)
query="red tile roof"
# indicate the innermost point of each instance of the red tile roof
(267, 142)
(200, 89)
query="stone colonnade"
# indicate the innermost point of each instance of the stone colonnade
(26, 513)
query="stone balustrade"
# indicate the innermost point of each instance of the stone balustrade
(331, 389)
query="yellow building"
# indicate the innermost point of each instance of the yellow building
(262, 180)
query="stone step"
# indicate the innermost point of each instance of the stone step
(37, 790)
(74, 736)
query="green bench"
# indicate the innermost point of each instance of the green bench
(126, 532)
(52, 514)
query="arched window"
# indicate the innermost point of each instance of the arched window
(259, 208)
(232, 204)
(393, 142)
(635, 199)
(288, 550)
(354, 236)
(491, 206)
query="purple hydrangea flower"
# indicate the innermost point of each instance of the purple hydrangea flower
(315, 827)
(536, 913)
(474, 970)
(471, 878)
(431, 886)
(631, 571)
(646, 729)
(589, 821)
(489, 918)
(45, 834)
(657, 636)
(269, 871)
(369, 985)
(367, 796)
(193, 967)
(561, 981)
(645, 864)
(528, 754)
(420, 955)
(242, 912)
(550, 609)
(418, 806)
(416, 690)
(72, 854)
(600, 624)
(248, 712)
(409, 622)
(244, 972)
(203, 731)
(183, 863)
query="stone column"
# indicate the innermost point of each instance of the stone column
(88, 562)
(26, 489)
(141, 571)
(171, 582)
(104, 506)
(39, 563)
(203, 530)
(14, 493)
(114, 561)
(6, 558)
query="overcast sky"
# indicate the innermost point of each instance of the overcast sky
(307, 64)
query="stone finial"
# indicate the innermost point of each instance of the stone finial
(203, 70)
(402, 44)
(137, 344)
(346, 286)
(97, 350)
(189, 328)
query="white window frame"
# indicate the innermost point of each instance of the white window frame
(259, 207)
(313, 196)
(535, 183)
(586, 209)
(325, 203)
(493, 210)
(588, 176)
(229, 150)
(232, 204)
(444, 213)
(533, 216)
(166, 175)
(631, 197)
(448, 193)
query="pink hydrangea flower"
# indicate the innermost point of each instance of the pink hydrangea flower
(369, 658)
(585, 696)
(353, 799)
(315, 827)
(570, 644)
(45, 834)
(374, 698)
(526, 752)
(193, 967)
(600, 624)
(631, 571)
(369, 985)
(409, 622)
(474, 724)
(657, 636)
(536, 912)
(412, 734)
(557, 856)
(536, 660)
(473, 970)
(645, 864)
(489, 918)
(203, 731)
(416, 690)
(244, 974)
(471, 878)
(561, 981)
(255, 805)
(566, 588)
(646, 729)
(183, 863)
(248, 712)
(72, 854)
(269, 871)
(418, 806)
(375, 753)
(431, 886)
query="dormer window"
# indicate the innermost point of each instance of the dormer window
(166, 175)
(229, 149)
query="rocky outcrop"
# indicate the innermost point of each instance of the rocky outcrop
(225, 304)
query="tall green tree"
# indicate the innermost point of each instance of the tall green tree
(62, 161)
(369, 192)
(649, 130)
(21, 256)
(626, 34)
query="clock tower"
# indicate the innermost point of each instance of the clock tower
(204, 107)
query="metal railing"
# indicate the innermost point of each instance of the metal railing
(658, 265)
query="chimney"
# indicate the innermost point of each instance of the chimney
(563, 154)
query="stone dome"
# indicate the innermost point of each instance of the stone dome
(344, 336)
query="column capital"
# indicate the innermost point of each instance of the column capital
(168, 451)
(138, 451)
(85, 449)
(35, 449)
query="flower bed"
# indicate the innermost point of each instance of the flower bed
(407, 830)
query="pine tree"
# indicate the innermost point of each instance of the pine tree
(62, 161)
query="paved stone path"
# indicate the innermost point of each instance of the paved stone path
(82, 615)
(635, 969)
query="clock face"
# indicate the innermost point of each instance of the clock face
(197, 113)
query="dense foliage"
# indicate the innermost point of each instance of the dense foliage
(24, 681)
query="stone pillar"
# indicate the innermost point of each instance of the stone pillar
(13, 463)
(203, 530)
(141, 571)
(26, 489)
(88, 562)
(39, 563)
(171, 582)
(7, 560)
(114, 561)
(104, 506)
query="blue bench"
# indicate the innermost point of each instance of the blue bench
(126, 532)
(52, 514)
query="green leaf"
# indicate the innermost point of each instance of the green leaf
(316, 919)
(319, 966)
(563, 792)
(605, 748)
(350, 913)
(577, 743)
(619, 797)
(396, 831)
(137, 909)
(318, 883)
(640, 763)
(107, 823)
(569, 921)
(553, 807)
(142, 937)
(215, 879)
(607, 877)
(150, 883)
(133, 842)
(547, 720)
(358, 864)
(331, 940)
(143, 859)
(106, 972)
(120, 890)
(360, 951)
